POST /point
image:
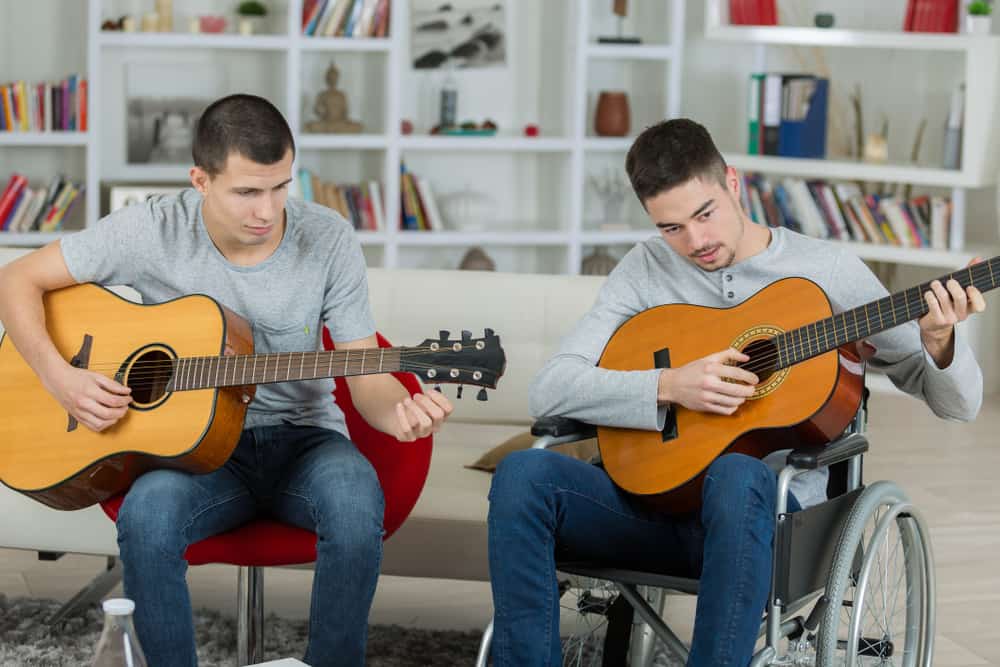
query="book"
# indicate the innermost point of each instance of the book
(15, 184)
(375, 192)
(753, 114)
(434, 221)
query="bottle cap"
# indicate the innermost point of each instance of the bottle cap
(118, 606)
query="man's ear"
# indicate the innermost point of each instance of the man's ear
(199, 179)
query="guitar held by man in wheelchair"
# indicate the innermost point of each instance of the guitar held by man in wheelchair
(192, 371)
(810, 378)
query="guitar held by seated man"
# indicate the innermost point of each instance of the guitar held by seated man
(192, 372)
(804, 377)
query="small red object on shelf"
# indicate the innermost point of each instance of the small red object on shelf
(753, 12)
(406, 126)
(531, 130)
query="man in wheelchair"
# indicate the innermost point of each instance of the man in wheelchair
(546, 508)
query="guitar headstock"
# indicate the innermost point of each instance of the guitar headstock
(476, 361)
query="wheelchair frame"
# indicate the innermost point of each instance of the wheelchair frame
(800, 538)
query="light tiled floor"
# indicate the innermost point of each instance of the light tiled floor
(948, 469)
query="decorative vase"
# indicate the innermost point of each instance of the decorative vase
(249, 25)
(976, 24)
(611, 117)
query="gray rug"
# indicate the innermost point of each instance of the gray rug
(26, 640)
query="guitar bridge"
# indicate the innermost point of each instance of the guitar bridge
(661, 359)
(80, 360)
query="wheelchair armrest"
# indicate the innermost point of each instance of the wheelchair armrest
(560, 427)
(810, 458)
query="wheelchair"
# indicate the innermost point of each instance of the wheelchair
(852, 578)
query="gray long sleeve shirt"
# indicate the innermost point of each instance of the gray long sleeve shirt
(652, 274)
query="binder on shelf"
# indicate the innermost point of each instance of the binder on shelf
(802, 132)
(753, 114)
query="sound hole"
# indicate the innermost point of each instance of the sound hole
(148, 376)
(763, 358)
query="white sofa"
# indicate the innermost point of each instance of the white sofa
(445, 535)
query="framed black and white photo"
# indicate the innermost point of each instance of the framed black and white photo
(458, 34)
(163, 104)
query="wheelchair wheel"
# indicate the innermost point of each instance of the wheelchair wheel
(880, 590)
(589, 600)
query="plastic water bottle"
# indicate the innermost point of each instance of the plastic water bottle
(118, 646)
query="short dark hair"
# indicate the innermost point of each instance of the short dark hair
(244, 124)
(671, 153)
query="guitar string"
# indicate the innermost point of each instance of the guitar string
(353, 370)
(755, 364)
(337, 355)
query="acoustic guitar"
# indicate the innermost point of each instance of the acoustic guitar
(192, 369)
(810, 378)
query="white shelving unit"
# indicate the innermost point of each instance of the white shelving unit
(572, 145)
(980, 141)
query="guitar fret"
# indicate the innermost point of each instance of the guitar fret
(363, 361)
(201, 373)
(330, 358)
(989, 265)
(878, 306)
(347, 357)
(315, 364)
(253, 371)
(302, 366)
(381, 357)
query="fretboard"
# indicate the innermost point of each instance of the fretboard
(248, 369)
(861, 322)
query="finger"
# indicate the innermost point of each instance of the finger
(442, 401)
(421, 421)
(724, 400)
(112, 386)
(975, 260)
(934, 314)
(944, 302)
(731, 354)
(95, 411)
(959, 301)
(405, 430)
(430, 408)
(719, 409)
(738, 374)
(731, 389)
(976, 299)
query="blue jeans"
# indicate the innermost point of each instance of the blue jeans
(545, 507)
(310, 477)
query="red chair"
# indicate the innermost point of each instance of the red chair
(402, 471)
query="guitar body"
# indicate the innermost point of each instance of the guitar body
(810, 402)
(69, 466)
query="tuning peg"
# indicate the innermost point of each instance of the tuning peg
(459, 394)
(444, 334)
(466, 336)
(488, 332)
(481, 396)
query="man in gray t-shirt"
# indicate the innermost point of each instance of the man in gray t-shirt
(708, 253)
(288, 268)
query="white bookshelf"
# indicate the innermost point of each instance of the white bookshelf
(980, 140)
(567, 146)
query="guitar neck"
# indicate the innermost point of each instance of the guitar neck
(872, 318)
(251, 369)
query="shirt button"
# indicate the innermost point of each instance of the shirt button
(730, 295)
(729, 276)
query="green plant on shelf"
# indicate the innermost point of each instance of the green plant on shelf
(251, 8)
(980, 8)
